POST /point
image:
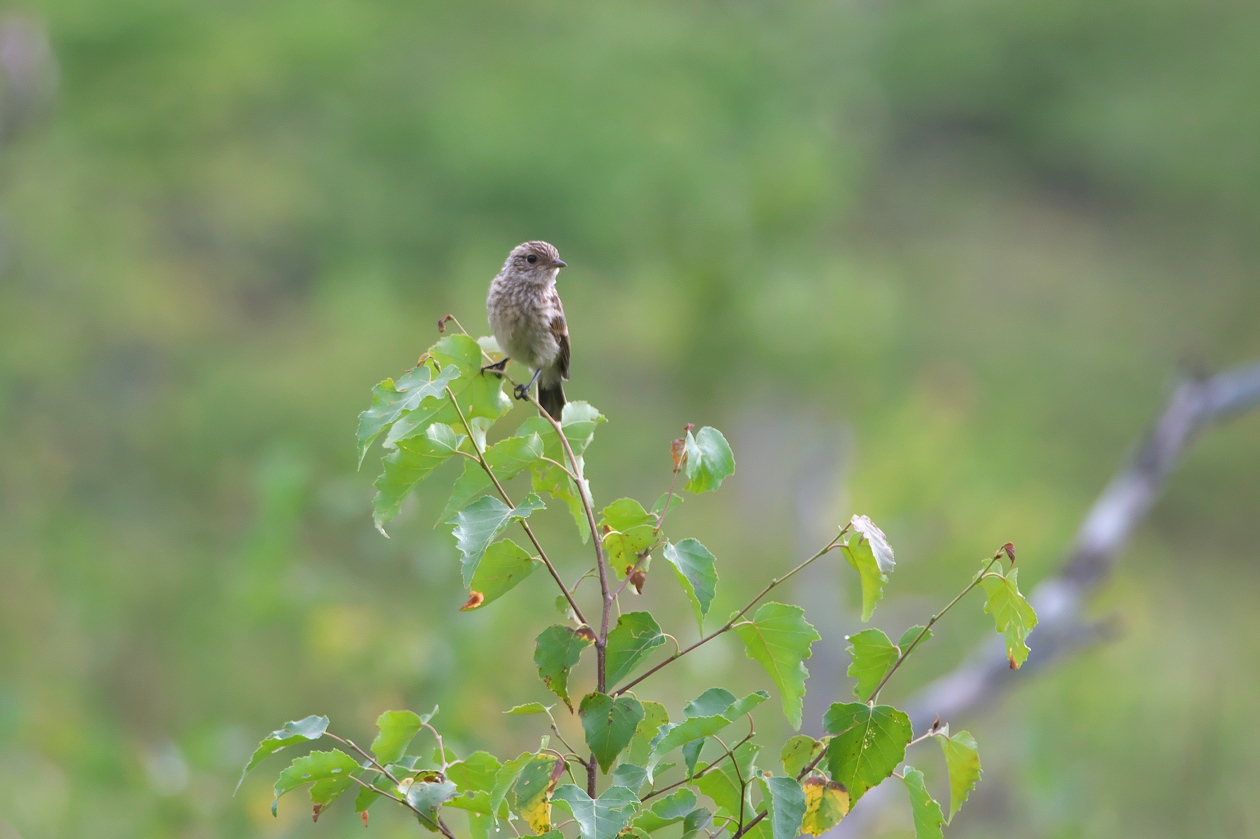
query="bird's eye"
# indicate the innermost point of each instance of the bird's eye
(531, 259)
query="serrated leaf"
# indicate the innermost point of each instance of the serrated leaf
(478, 394)
(623, 549)
(504, 778)
(670, 809)
(601, 818)
(324, 792)
(908, 637)
(531, 793)
(407, 465)
(427, 797)
(478, 525)
(503, 567)
(579, 424)
(962, 759)
(927, 813)
(691, 755)
(310, 768)
(624, 514)
(871, 655)
(1012, 614)
(867, 744)
(475, 777)
(506, 458)
(694, 728)
(630, 776)
(696, 570)
(826, 803)
(529, 708)
(799, 752)
(632, 640)
(654, 716)
(391, 400)
(556, 651)
(395, 730)
(295, 731)
(709, 460)
(609, 725)
(697, 820)
(779, 639)
(787, 806)
(871, 556)
(722, 783)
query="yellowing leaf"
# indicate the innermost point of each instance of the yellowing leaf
(826, 803)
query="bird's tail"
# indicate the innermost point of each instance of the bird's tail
(551, 397)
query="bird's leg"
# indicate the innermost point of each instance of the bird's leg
(522, 391)
(497, 367)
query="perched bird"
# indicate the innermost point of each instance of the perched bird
(527, 319)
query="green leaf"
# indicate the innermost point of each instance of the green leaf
(697, 820)
(478, 394)
(799, 752)
(710, 703)
(962, 759)
(709, 460)
(328, 790)
(722, 784)
(609, 725)
(705, 716)
(908, 637)
(504, 778)
(691, 755)
(787, 806)
(696, 571)
(629, 776)
(475, 776)
(578, 419)
(313, 767)
(529, 708)
(658, 509)
(296, 731)
(1012, 614)
(667, 810)
(391, 400)
(395, 730)
(407, 465)
(477, 526)
(556, 651)
(427, 797)
(504, 566)
(871, 556)
(867, 745)
(625, 514)
(602, 818)
(826, 803)
(531, 793)
(674, 736)
(623, 549)
(506, 458)
(779, 638)
(927, 813)
(579, 423)
(654, 716)
(872, 656)
(632, 640)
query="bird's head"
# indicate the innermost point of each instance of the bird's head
(534, 261)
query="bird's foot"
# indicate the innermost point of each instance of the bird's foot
(521, 392)
(496, 367)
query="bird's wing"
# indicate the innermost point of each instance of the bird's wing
(560, 328)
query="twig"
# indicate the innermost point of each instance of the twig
(923, 633)
(1194, 406)
(481, 458)
(726, 627)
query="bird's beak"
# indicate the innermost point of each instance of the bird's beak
(559, 264)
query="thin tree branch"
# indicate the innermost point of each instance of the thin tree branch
(1194, 406)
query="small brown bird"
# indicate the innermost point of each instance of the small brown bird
(527, 319)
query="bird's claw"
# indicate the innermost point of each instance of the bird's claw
(521, 392)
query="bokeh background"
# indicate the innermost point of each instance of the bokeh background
(936, 262)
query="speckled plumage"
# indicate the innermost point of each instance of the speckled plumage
(527, 318)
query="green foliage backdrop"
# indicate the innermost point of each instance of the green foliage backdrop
(951, 252)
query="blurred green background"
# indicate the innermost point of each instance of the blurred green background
(935, 262)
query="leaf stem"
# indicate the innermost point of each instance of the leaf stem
(923, 634)
(481, 458)
(726, 627)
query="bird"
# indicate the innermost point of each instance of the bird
(527, 319)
